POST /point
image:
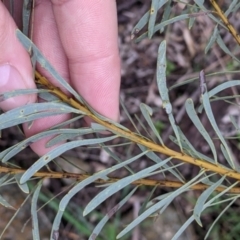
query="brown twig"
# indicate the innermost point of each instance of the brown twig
(217, 168)
(144, 181)
(229, 26)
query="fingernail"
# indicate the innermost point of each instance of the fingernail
(11, 79)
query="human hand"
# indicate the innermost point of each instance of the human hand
(79, 38)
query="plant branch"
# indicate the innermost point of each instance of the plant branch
(229, 26)
(217, 168)
(143, 182)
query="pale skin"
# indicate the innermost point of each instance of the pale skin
(79, 38)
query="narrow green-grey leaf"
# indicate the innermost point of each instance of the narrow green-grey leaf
(98, 127)
(170, 21)
(30, 46)
(161, 76)
(185, 188)
(35, 108)
(61, 138)
(115, 187)
(207, 181)
(114, 156)
(222, 45)
(237, 137)
(57, 152)
(6, 155)
(30, 118)
(225, 200)
(64, 147)
(72, 133)
(117, 125)
(223, 86)
(231, 7)
(225, 154)
(175, 129)
(26, 13)
(187, 145)
(27, 110)
(102, 174)
(156, 207)
(4, 203)
(213, 39)
(189, 151)
(236, 7)
(110, 213)
(147, 112)
(6, 95)
(216, 98)
(200, 4)
(144, 20)
(158, 198)
(78, 187)
(198, 124)
(197, 78)
(66, 123)
(146, 201)
(14, 215)
(4, 178)
(128, 115)
(220, 194)
(33, 57)
(140, 25)
(105, 118)
(166, 13)
(219, 216)
(48, 97)
(140, 123)
(153, 156)
(3, 153)
(152, 17)
(182, 229)
(163, 24)
(23, 187)
(165, 170)
(191, 219)
(162, 87)
(211, 118)
(194, 9)
(35, 228)
(235, 124)
(203, 198)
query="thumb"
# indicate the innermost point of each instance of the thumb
(15, 65)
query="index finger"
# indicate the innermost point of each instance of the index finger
(88, 31)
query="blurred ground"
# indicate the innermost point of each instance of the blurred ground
(185, 55)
